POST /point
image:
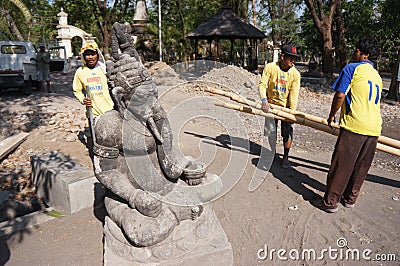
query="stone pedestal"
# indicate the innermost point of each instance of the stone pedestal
(62, 182)
(199, 242)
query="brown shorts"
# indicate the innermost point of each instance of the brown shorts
(271, 125)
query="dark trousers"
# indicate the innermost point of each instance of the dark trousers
(350, 163)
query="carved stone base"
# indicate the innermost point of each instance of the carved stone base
(199, 242)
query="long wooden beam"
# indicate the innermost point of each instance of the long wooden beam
(299, 115)
(288, 117)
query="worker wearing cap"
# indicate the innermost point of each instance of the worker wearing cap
(90, 81)
(43, 61)
(280, 85)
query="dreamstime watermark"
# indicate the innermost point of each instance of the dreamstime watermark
(341, 252)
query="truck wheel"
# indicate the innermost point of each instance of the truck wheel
(28, 86)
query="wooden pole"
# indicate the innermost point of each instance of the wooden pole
(288, 117)
(10, 143)
(249, 110)
(281, 116)
(299, 116)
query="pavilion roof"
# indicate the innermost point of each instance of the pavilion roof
(226, 25)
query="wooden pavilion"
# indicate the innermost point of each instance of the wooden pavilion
(226, 25)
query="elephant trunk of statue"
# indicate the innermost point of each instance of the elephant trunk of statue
(144, 106)
(151, 124)
(159, 126)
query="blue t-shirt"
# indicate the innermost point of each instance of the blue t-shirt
(360, 112)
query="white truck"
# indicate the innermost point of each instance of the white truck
(18, 66)
(58, 59)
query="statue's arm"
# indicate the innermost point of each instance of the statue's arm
(138, 199)
(117, 183)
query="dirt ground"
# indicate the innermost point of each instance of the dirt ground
(275, 216)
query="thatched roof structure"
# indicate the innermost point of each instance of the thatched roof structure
(226, 25)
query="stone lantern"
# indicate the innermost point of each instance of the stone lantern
(141, 18)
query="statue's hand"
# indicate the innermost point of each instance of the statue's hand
(145, 203)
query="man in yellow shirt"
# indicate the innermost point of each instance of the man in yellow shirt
(358, 91)
(90, 81)
(280, 85)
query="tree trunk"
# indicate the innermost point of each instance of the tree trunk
(323, 22)
(341, 41)
(104, 17)
(274, 32)
(327, 59)
(394, 83)
(253, 6)
(183, 27)
(11, 25)
(106, 38)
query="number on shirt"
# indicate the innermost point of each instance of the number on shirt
(378, 95)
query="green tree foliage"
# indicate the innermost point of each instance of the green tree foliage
(351, 23)
(43, 23)
(311, 37)
(81, 14)
(10, 25)
(240, 7)
(360, 22)
(178, 19)
(280, 17)
(376, 18)
(388, 31)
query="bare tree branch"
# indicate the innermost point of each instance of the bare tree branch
(316, 19)
(11, 24)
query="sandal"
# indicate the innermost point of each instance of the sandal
(285, 164)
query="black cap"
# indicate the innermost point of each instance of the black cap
(289, 50)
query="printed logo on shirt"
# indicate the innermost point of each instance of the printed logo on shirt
(94, 87)
(96, 94)
(280, 84)
(93, 79)
(281, 80)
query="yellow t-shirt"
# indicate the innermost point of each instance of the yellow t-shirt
(94, 82)
(360, 112)
(280, 87)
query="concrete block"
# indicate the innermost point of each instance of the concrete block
(62, 182)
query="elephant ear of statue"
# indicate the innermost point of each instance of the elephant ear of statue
(118, 95)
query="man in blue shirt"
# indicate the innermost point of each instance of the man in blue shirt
(358, 93)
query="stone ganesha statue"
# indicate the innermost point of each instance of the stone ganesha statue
(151, 189)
